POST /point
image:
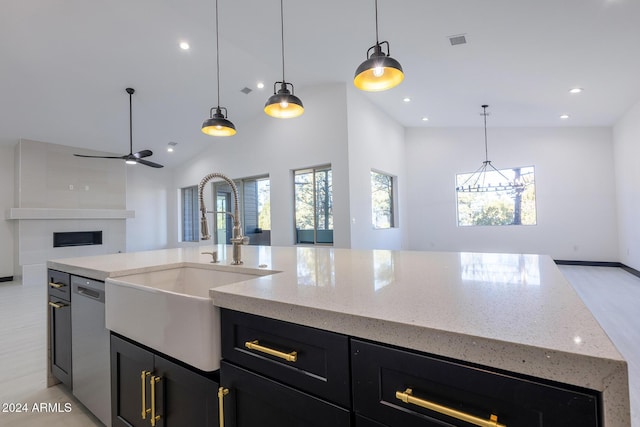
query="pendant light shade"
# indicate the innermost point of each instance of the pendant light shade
(283, 104)
(217, 124)
(380, 71)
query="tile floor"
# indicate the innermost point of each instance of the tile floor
(612, 294)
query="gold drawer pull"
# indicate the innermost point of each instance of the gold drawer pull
(145, 411)
(56, 305)
(255, 345)
(407, 397)
(222, 392)
(56, 285)
(154, 418)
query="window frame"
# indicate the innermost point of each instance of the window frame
(189, 214)
(530, 182)
(393, 203)
(316, 241)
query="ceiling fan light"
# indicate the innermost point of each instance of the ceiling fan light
(218, 124)
(283, 104)
(131, 162)
(379, 72)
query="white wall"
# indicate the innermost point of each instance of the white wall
(626, 136)
(575, 193)
(265, 145)
(375, 142)
(148, 194)
(6, 202)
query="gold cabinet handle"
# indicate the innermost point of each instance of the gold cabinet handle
(56, 305)
(145, 411)
(407, 397)
(222, 392)
(255, 345)
(154, 418)
(56, 285)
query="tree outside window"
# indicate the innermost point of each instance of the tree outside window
(382, 200)
(488, 203)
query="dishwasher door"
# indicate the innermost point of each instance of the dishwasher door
(90, 347)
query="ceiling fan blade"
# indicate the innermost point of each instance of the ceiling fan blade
(148, 163)
(101, 157)
(143, 153)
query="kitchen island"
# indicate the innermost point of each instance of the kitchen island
(514, 313)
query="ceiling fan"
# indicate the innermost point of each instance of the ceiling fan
(131, 158)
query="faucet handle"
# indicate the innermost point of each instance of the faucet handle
(241, 240)
(214, 256)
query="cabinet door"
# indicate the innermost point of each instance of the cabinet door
(60, 339)
(183, 397)
(400, 388)
(130, 384)
(254, 400)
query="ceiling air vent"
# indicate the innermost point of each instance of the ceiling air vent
(457, 39)
(245, 90)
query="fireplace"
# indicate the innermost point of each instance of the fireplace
(77, 238)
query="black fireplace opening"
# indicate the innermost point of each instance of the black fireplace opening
(77, 238)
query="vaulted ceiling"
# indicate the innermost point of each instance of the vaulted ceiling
(65, 64)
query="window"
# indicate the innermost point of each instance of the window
(313, 196)
(255, 205)
(190, 219)
(489, 203)
(382, 200)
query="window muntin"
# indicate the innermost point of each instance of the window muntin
(485, 203)
(382, 200)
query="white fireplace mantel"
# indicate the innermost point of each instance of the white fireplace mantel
(53, 213)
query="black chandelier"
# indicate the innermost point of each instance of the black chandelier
(478, 181)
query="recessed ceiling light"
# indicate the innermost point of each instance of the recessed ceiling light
(576, 90)
(184, 46)
(406, 99)
(564, 116)
(260, 85)
(425, 119)
(170, 146)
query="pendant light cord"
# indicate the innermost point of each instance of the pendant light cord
(377, 42)
(486, 150)
(217, 55)
(130, 125)
(282, 36)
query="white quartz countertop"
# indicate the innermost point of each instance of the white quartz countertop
(509, 311)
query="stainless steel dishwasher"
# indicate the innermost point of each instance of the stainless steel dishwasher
(90, 348)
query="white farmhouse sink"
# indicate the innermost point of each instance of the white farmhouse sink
(170, 310)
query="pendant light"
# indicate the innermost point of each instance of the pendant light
(217, 124)
(283, 104)
(480, 181)
(380, 71)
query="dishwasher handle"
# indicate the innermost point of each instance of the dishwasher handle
(89, 289)
(88, 292)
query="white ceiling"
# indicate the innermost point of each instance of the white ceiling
(65, 64)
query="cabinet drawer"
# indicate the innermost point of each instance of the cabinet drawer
(59, 284)
(321, 365)
(255, 400)
(399, 388)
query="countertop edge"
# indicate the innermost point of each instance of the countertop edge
(608, 376)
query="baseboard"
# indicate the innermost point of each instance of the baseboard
(6, 279)
(589, 263)
(599, 264)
